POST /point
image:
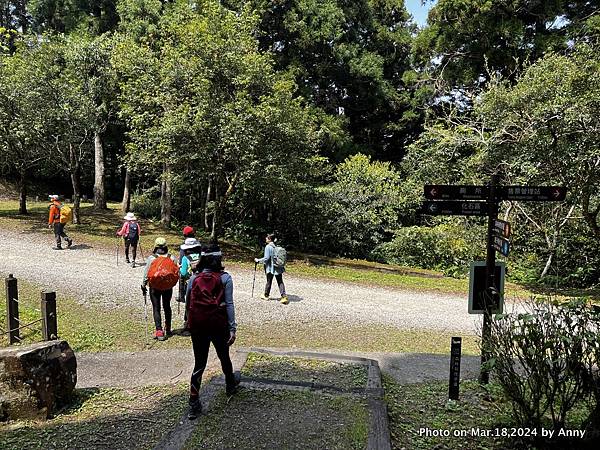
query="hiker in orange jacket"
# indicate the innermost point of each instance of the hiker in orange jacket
(54, 222)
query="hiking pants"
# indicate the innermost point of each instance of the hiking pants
(279, 279)
(59, 232)
(201, 345)
(133, 243)
(155, 298)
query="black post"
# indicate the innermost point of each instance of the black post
(490, 284)
(49, 324)
(455, 354)
(12, 309)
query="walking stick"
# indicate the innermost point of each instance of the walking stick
(145, 313)
(141, 251)
(117, 251)
(253, 280)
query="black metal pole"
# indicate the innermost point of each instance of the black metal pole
(455, 354)
(490, 285)
(12, 309)
(49, 324)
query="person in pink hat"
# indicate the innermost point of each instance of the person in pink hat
(130, 231)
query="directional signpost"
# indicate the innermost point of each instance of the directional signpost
(467, 200)
(454, 208)
(501, 245)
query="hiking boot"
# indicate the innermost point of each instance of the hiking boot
(264, 296)
(168, 331)
(127, 261)
(58, 247)
(231, 384)
(133, 265)
(195, 409)
(284, 300)
(160, 335)
(69, 242)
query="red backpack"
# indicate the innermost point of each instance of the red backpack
(207, 311)
(163, 273)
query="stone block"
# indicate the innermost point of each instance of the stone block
(36, 380)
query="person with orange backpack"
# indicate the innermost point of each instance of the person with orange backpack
(58, 217)
(161, 274)
(210, 318)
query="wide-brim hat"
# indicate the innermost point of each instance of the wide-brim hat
(130, 216)
(190, 243)
(53, 197)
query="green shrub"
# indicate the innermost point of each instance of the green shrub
(546, 361)
(146, 204)
(449, 247)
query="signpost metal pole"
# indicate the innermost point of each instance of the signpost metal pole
(490, 288)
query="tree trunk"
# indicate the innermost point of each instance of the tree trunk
(548, 265)
(126, 203)
(206, 204)
(216, 222)
(76, 182)
(22, 193)
(165, 197)
(99, 190)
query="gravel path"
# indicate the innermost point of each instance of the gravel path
(91, 275)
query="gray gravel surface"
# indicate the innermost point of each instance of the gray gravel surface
(92, 276)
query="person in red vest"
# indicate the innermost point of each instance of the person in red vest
(54, 222)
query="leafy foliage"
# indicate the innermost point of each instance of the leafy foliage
(545, 359)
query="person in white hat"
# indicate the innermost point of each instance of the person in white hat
(131, 232)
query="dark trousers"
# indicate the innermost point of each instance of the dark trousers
(59, 232)
(133, 244)
(155, 298)
(279, 279)
(201, 345)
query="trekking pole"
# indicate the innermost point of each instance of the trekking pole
(141, 251)
(146, 314)
(253, 280)
(117, 250)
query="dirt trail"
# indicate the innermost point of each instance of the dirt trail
(92, 275)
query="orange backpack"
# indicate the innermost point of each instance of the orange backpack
(163, 273)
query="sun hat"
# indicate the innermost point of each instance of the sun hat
(187, 230)
(211, 250)
(53, 197)
(130, 216)
(190, 243)
(160, 242)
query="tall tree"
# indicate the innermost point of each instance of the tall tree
(465, 40)
(21, 130)
(90, 61)
(542, 130)
(206, 97)
(351, 59)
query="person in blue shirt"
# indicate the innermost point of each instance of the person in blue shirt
(207, 325)
(191, 249)
(271, 270)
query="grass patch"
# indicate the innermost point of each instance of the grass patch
(415, 408)
(358, 338)
(103, 418)
(283, 368)
(94, 329)
(282, 419)
(417, 412)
